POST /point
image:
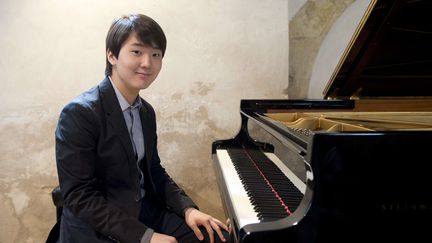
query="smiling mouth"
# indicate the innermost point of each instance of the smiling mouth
(145, 74)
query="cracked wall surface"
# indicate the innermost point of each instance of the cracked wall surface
(219, 52)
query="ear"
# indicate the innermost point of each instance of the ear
(111, 58)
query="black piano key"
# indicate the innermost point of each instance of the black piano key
(272, 194)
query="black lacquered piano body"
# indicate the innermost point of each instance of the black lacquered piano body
(359, 185)
(363, 167)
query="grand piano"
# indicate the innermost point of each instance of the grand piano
(355, 166)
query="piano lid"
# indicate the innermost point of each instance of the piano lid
(390, 54)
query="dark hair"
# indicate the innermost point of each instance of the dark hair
(148, 31)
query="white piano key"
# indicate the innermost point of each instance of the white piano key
(245, 214)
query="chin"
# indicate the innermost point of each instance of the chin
(144, 85)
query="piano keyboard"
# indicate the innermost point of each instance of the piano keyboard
(260, 186)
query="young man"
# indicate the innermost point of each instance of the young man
(112, 182)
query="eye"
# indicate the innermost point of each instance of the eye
(136, 52)
(157, 54)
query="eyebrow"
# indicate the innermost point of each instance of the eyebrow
(140, 44)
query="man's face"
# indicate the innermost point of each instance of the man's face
(137, 65)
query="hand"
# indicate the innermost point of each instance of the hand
(161, 238)
(195, 218)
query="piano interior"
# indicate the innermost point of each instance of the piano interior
(354, 121)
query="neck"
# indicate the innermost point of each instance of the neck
(129, 94)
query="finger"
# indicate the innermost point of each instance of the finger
(209, 231)
(218, 230)
(172, 240)
(220, 224)
(197, 232)
(228, 223)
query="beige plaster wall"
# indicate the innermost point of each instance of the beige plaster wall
(333, 46)
(308, 27)
(319, 34)
(219, 51)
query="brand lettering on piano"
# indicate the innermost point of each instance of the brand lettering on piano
(404, 206)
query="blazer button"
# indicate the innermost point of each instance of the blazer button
(137, 198)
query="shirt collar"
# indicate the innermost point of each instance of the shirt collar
(122, 100)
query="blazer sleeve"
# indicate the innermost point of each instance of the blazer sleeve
(76, 142)
(174, 197)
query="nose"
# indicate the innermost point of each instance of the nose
(146, 61)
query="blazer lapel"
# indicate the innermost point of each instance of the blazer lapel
(115, 118)
(147, 126)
